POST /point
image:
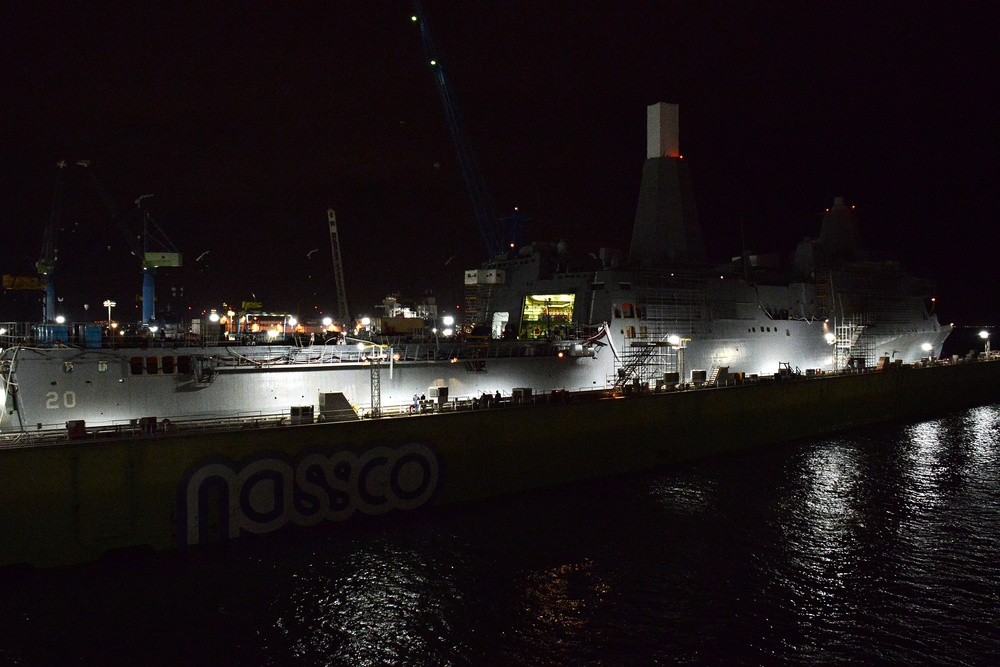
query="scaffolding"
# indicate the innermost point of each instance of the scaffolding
(854, 345)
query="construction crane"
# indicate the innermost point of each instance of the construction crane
(46, 264)
(338, 269)
(164, 254)
(481, 205)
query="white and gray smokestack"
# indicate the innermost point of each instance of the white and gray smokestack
(666, 233)
(662, 133)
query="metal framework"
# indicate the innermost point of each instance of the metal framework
(338, 268)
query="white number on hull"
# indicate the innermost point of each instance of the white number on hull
(52, 400)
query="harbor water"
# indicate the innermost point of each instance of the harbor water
(873, 547)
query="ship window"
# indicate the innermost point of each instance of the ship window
(168, 365)
(184, 365)
(624, 285)
(68, 367)
(546, 315)
(152, 365)
(630, 332)
(787, 332)
(135, 363)
(102, 367)
(618, 312)
(627, 310)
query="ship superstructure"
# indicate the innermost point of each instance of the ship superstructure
(674, 318)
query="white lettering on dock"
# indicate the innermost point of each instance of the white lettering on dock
(260, 495)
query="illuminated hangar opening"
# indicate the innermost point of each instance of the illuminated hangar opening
(547, 315)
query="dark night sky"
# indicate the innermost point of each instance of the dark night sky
(248, 120)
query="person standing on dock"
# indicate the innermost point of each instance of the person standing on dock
(416, 404)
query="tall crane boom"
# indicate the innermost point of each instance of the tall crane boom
(46, 264)
(338, 269)
(481, 205)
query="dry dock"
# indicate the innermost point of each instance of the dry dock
(71, 500)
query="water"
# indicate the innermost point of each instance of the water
(877, 547)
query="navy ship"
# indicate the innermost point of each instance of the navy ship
(540, 319)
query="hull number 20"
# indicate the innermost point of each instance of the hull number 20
(53, 402)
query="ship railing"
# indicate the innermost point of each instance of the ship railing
(58, 433)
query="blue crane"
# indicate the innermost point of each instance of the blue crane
(141, 244)
(481, 205)
(46, 264)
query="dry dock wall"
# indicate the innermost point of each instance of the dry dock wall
(75, 500)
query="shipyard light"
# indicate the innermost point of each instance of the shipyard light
(60, 319)
(327, 321)
(830, 338)
(448, 332)
(674, 340)
(154, 329)
(273, 333)
(292, 321)
(447, 320)
(985, 335)
(213, 316)
(365, 321)
(928, 348)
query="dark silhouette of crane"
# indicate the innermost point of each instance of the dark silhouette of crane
(151, 246)
(481, 205)
(46, 264)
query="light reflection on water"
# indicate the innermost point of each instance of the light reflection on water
(875, 547)
(377, 605)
